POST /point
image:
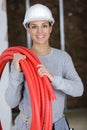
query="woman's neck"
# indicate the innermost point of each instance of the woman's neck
(41, 50)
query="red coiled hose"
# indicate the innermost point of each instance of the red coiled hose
(0, 127)
(40, 89)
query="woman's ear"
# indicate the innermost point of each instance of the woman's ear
(28, 30)
(50, 29)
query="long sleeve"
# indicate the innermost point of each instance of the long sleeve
(70, 83)
(13, 92)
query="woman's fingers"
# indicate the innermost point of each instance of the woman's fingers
(16, 59)
(18, 56)
(42, 70)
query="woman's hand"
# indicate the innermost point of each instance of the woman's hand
(16, 59)
(42, 70)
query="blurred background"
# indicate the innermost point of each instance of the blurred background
(75, 33)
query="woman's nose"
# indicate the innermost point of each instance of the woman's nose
(40, 30)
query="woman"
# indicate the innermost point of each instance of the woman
(56, 64)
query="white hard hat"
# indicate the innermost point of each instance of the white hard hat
(38, 12)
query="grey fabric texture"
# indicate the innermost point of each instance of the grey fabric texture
(61, 124)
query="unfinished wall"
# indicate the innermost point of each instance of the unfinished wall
(75, 34)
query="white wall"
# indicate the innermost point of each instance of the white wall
(5, 111)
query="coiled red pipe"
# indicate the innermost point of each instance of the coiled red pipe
(0, 127)
(40, 89)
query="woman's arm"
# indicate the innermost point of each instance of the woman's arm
(13, 92)
(70, 83)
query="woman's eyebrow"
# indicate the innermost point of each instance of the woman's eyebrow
(33, 24)
(36, 23)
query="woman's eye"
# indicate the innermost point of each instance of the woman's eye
(33, 27)
(45, 26)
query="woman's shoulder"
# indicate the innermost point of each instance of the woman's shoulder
(62, 56)
(60, 52)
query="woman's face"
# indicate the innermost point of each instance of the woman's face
(40, 31)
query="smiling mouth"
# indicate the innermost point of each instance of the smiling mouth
(40, 37)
